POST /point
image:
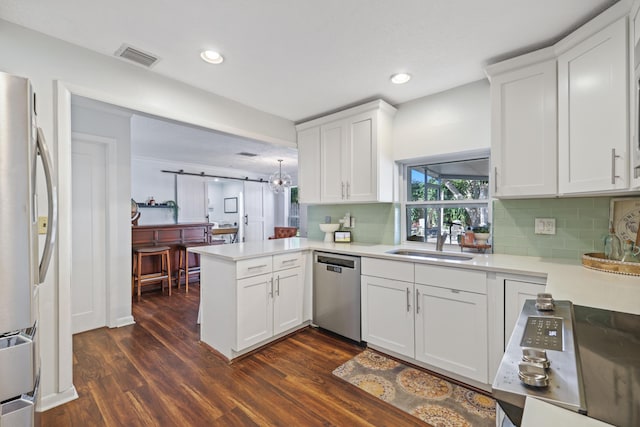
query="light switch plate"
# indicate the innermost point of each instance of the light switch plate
(43, 221)
(545, 226)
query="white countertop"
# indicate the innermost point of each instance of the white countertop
(566, 279)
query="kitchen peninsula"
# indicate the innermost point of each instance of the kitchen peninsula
(239, 288)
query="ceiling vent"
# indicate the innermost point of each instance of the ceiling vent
(246, 154)
(136, 55)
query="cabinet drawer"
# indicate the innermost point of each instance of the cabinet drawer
(395, 270)
(453, 278)
(253, 267)
(288, 260)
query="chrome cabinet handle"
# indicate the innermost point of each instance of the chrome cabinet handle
(256, 267)
(246, 219)
(417, 301)
(495, 179)
(408, 300)
(278, 286)
(455, 291)
(286, 261)
(613, 166)
(271, 287)
(348, 190)
(342, 183)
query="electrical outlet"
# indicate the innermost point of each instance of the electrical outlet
(43, 222)
(545, 226)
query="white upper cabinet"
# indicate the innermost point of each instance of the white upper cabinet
(346, 157)
(524, 126)
(593, 113)
(309, 165)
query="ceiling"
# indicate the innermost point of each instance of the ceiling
(299, 59)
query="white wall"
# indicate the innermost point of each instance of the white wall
(456, 120)
(218, 191)
(58, 69)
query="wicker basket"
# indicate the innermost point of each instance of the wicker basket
(598, 261)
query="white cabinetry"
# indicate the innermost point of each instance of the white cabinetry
(250, 302)
(309, 165)
(593, 113)
(516, 292)
(430, 314)
(451, 320)
(346, 157)
(524, 125)
(268, 304)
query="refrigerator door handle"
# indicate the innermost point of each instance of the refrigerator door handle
(52, 209)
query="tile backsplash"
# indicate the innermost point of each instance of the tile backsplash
(581, 224)
(374, 222)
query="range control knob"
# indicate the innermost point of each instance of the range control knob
(544, 302)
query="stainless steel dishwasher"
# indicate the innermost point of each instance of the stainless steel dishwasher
(336, 293)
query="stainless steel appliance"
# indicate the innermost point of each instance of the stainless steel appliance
(593, 364)
(336, 294)
(21, 141)
(541, 360)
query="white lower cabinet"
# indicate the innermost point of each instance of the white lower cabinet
(268, 305)
(451, 330)
(387, 314)
(516, 292)
(440, 318)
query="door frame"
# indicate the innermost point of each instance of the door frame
(111, 241)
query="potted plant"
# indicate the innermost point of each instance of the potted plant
(482, 234)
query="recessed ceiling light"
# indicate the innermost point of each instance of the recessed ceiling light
(400, 78)
(211, 56)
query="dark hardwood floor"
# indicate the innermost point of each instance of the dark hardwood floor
(157, 373)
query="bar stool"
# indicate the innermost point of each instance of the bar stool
(165, 267)
(183, 262)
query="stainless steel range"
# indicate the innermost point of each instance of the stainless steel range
(541, 360)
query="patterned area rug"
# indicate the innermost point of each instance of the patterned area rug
(427, 397)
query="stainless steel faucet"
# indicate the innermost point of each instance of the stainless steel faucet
(440, 239)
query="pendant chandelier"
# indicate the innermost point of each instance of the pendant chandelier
(279, 180)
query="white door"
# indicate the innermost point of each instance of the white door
(387, 314)
(89, 236)
(451, 331)
(192, 198)
(287, 299)
(254, 212)
(254, 310)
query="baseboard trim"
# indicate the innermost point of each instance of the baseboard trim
(125, 321)
(57, 399)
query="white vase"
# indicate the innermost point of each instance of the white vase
(481, 238)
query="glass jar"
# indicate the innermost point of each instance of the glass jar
(631, 252)
(613, 246)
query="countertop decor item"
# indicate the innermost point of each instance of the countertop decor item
(598, 261)
(624, 214)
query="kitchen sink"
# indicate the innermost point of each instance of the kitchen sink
(430, 255)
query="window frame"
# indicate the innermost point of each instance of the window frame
(404, 191)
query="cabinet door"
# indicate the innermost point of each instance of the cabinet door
(387, 314)
(451, 331)
(523, 131)
(360, 156)
(254, 311)
(287, 299)
(593, 113)
(515, 294)
(332, 185)
(309, 165)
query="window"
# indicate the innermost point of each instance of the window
(294, 208)
(446, 197)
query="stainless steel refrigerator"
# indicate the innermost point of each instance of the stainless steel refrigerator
(21, 267)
